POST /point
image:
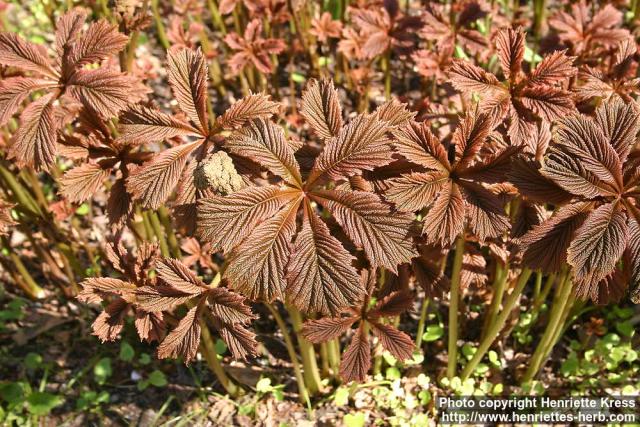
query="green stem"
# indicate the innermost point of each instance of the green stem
(159, 232)
(311, 372)
(22, 197)
(172, 240)
(334, 356)
(28, 285)
(563, 294)
(208, 348)
(387, 74)
(422, 322)
(496, 327)
(454, 298)
(502, 272)
(302, 389)
(162, 34)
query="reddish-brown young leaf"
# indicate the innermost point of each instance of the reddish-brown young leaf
(569, 172)
(14, 90)
(469, 137)
(257, 266)
(493, 168)
(545, 246)
(356, 360)
(19, 53)
(226, 221)
(100, 41)
(6, 220)
(510, 47)
(320, 277)
(109, 323)
(187, 70)
(445, 220)
(119, 204)
(228, 307)
(486, 214)
(150, 326)
(553, 68)
(240, 340)
(68, 28)
(321, 108)
(184, 339)
(598, 245)
(399, 344)
(417, 143)
(395, 113)
(94, 289)
(163, 297)
(393, 304)
(633, 248)
(82, 182)
(252, 107)
(361, 145)
(177, 275)
(265, 143)
(104, 91)
(141, 124)
(619, 124)
(153, 182)
(415, 191)
(467, 77)
(34, 143)
(547, 102)
(371, 225)
(327, 328)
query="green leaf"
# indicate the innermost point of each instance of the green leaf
(221, 347)
(341, 397)
(144, 359)
(388, 357)
(127, 352)
(82, 210)
(298, 78)
(468, 351)
(264, 385)
(494, 359)
(531, 56)
(32, 361)
(570, 365)
(354, 420)
(157, 379)
(102, 370)
(625, 328)
(433, 333)
(393, 373)
(41, 403)
(12, 393)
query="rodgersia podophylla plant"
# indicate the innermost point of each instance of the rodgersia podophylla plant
(357, 181)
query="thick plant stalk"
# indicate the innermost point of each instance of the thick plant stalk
(454, 298)
(498, 294)
(172, 240)
(162, 34)
(302, 388)
(333, 348)
(387, 74)
(422, 321)
(208, 348)
(27, 283)
(538, 16)
(311, 372)
(159, 232)
(563, 297)
(496, 327)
